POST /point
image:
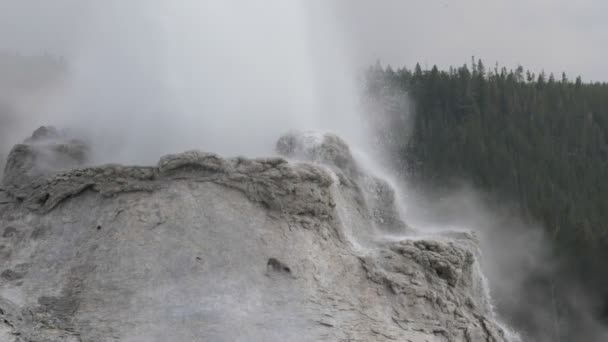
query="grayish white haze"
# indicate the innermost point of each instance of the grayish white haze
(557, 35)
(160, 74)
(518, 261)
(147, 78)
(152, 77)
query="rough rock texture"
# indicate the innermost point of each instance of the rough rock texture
(46, 152)
(374, 195)
(202, 248)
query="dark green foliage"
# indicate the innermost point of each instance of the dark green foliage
(532, 139)
(544, 143)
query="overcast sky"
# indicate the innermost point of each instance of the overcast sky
(557, 35)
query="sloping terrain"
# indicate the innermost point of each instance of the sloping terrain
(203, 248)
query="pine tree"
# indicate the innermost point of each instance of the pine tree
(538, 142)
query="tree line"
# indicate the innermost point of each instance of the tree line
(538, 140)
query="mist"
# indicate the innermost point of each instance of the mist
(535, 293)
(150, 77)
(146, 78)
(531, 294)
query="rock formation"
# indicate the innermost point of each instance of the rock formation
(203, 248)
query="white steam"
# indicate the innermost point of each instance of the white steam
(147, 78)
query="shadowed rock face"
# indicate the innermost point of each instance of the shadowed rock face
(203, 248)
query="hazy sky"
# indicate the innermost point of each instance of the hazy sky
(557, 35)
(232, 75)
(552, 34)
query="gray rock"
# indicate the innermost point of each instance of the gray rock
(326, 148)
(203, 248)
(374, 196)
(45, 153)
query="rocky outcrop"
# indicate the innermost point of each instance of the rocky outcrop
(373, 194)
(203, 248)
(46, 152)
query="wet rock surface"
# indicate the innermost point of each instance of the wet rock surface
(203, 248)
(374, 195)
